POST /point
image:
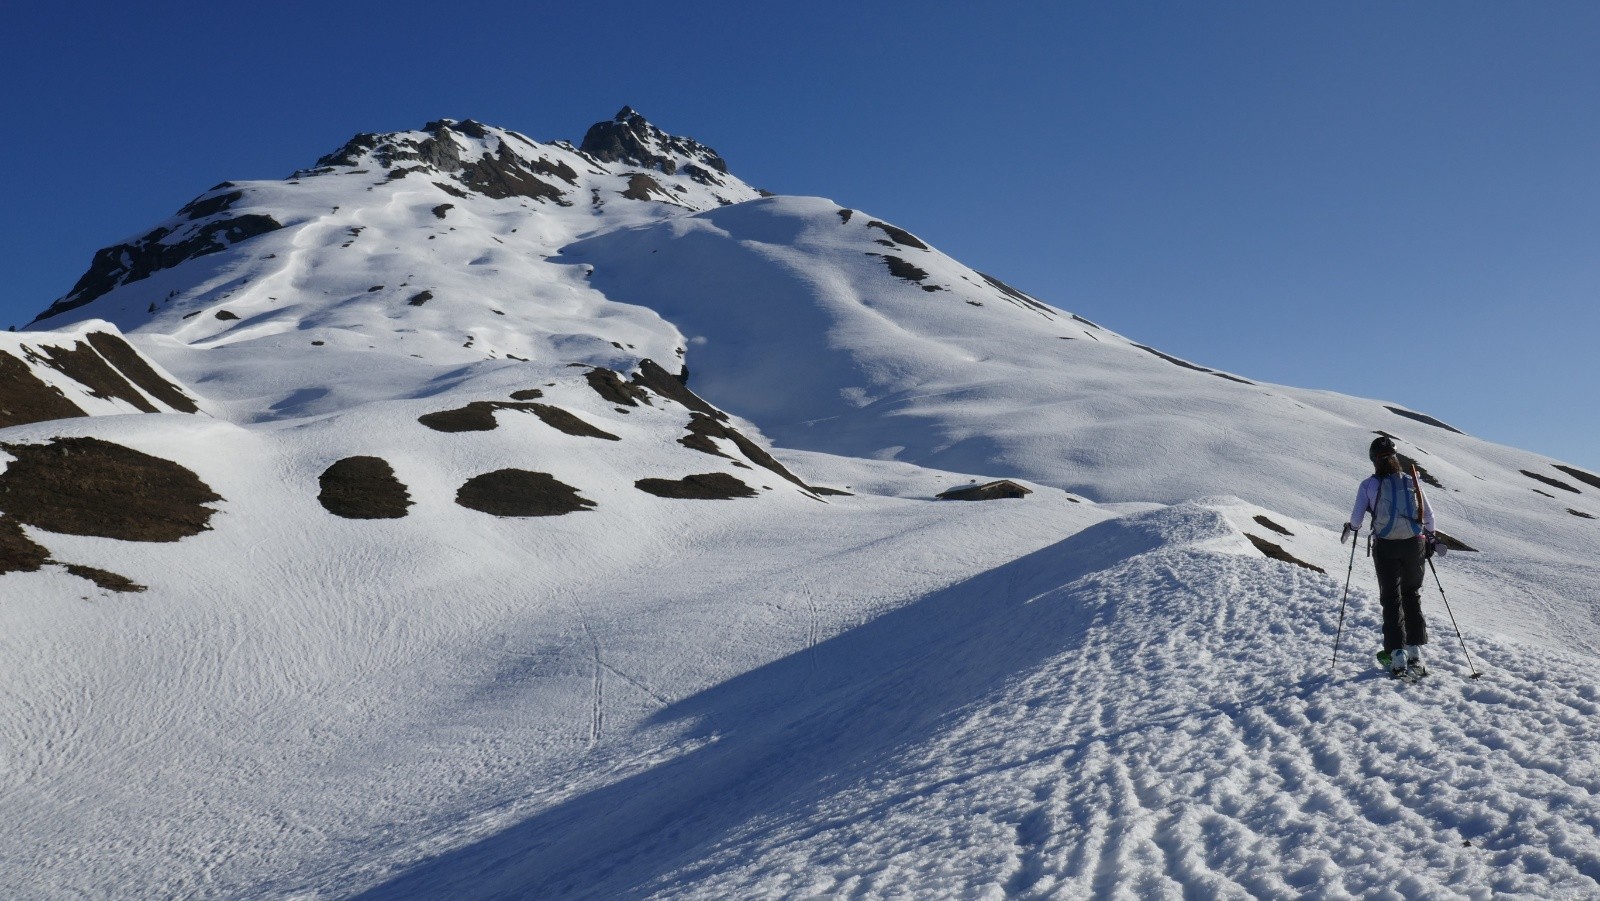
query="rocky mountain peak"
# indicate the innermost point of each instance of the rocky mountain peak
(630, 138)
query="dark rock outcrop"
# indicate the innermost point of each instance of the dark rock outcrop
(629, 138)
(502, 175)
(162, 248)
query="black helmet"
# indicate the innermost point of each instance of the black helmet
(1382, 446)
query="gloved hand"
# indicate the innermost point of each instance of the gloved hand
(1433, 546)
(1348, 531)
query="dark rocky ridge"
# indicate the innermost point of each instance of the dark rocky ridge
(162, 248)
(629, 138)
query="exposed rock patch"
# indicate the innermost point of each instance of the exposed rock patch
(898, 235)
(18, 553)
(86, 486)
(527, 394)
(363, 488)
(1017, 297)
(704, 428)
(24, 397)
(704, 487)
(565, 421)
(643, 187)
(129, 362)
(989, 491)
(210, 203)
(1262, 520)
(153, 252)
(105, 579)
(1188, 365)
(1454, 544)
(1579, 513)
(518, 492)
(900, 268)
(502, 175)
(610, 386)
(420, 298)
(86, 367)
(628, 138)
(1554, 483)
(1588, 478)
(1278, 553)
(652, 376)
(1423, 418)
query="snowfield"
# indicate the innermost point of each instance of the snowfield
(587, 639)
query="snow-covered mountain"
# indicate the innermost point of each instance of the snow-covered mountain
(468, 515)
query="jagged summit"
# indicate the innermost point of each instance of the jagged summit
(630, 138)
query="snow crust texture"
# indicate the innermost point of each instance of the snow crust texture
(472, 516)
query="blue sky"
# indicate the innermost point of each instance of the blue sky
(1399, 201)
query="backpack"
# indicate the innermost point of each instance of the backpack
(1398, 518)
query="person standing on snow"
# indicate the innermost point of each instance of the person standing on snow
(1400, 541)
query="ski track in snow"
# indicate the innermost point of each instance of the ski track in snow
(1096, 754)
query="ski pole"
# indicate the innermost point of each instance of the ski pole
(1347, 573)
(1474, 669)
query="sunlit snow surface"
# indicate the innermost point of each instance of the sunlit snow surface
(1100, 690)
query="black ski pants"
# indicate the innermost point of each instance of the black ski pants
(1399, 562)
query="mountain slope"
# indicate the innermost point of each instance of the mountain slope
(560, 521)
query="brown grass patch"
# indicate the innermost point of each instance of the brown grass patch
(24, 397)
(518, 492)
(1277, 553)
(85, 366)
(86, 486)
(131, 364)
(708, 486)
(363, 488)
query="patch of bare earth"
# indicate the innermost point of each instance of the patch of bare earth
(25, 398)
(709, 486)
(18, 553)
(518, 492)
(363, 488)
(131, 364)
(87, 486)
(1278, 553)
